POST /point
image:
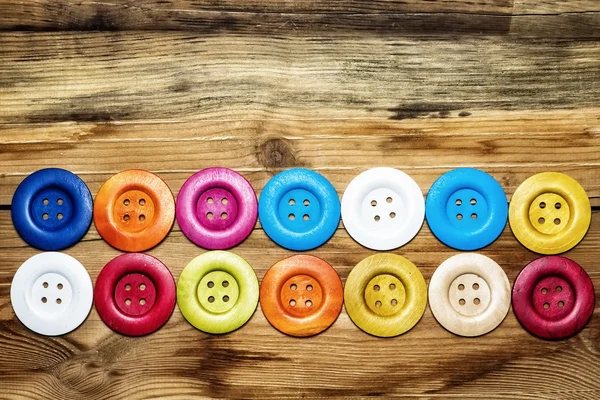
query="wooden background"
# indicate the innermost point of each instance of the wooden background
(339, 86)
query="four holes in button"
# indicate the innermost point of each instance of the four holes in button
(560, 303)
(476, 300)
(45, 285)
(211, 284)
(307, 303)
(292, 216)
(374, 204)
(459, 202)
(46, 202)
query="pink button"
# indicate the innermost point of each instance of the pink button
(216, 208)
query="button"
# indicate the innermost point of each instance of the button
(469, 294)
(549, 213)
(466, 209)
(51, 294)
(553, 297)
(299, 209)
(134, 210)
(301, 295)
(217, 292)
(135, 294)
(383, 208)
(385, 295)
(52, 209)
(216, 208)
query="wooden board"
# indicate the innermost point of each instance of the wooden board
(511, 87)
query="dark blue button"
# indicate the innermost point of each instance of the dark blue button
(466, 209)
(52, 209)
(299, 209)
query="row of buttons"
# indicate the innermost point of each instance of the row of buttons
(385, 294)
(299, 209)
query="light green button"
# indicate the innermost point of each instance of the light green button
(217, 292)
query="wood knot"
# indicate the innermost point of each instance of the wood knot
(276, 153)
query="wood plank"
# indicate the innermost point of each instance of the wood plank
(544, 18)
(54, 77)
(425, 144)
(257, 361)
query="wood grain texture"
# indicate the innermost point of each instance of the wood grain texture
(259, 86)
(552, 18)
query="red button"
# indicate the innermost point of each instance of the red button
(301, 295)
(135, 294)
(553, 297)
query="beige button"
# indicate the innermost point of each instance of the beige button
(469, 294)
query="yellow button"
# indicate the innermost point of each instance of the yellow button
(385, 295)
(549, 213)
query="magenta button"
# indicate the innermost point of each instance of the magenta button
(216, 208)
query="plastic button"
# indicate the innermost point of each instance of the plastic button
(550, 213)
(217, 292)
(466, 209)
(134, 210)
(301, 295)
(299, 209)
(135, 294)
(553, 297)
(383, 208)
(216, 208)
(469, 294)
(385, 295)
(52, 209)
(51, 293)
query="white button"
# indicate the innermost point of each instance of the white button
(51, 293)
(383, 208)
(469, 294)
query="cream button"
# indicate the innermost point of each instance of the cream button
(469, 294)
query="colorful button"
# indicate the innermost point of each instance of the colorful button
(553, 297)
(134, 210)
(550, 213)
(299, 209)
(216, 208)
(135, 294)
(52, 209)
(301, 295)
(469, 294)
(385, 295)
(383, 208)
(466, 209)
(217, 292)
(51, 293)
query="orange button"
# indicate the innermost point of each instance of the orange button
(134, 210)
(301, 295)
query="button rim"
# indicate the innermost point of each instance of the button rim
(106, 305)
(414, 285)
(318, 269)
(81, 218)
(61, 264)
(191, 276)
(164, 206)
(583, 289)
(500, 294)
(376, 178)
(202, 181)
(480, 182)
(528, 191)
(320, 187)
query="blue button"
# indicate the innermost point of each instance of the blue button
(466, 209)
(299, 209)
(52, 209)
